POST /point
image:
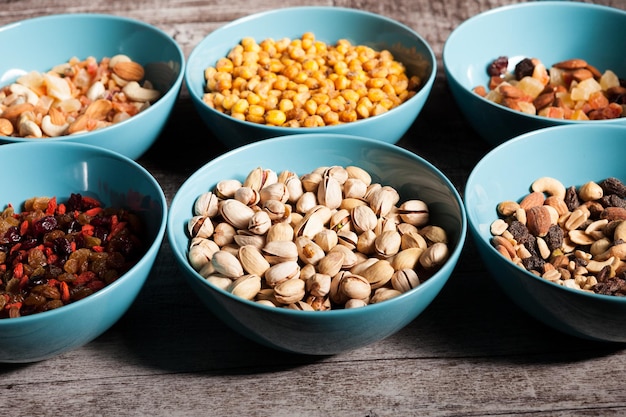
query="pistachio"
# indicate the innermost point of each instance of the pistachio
(383, 200)
(206, 205)
(363, 218)
(365, 242)
(246, 286)
(275, 191)
(280, 251)
(279, 231)
(384, 294)
(319, 285)
(259, 223)
(355, 287)
(223, 234)
(200, 226)
(252, 260)
(259, 178)
(347, 238)
(331, 263)
(309, 252)
(359, 173)
(247, 196)
(379, 273)
(405, 279)
(326, 239)
(227, 264)
(354, 188)
(434, 255)
(407, 259)
(329, 192)
(283, 271)
(236, 213)
(388, 243)
(289, 291)
(226, 188)
(414, 212)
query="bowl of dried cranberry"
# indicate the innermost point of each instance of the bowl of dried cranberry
(547, 211)
(80, 228)
(521, 67)
(103, 80)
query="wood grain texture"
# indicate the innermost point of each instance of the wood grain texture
(472, 352)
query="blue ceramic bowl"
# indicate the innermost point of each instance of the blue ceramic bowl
(574, 155)
(328, 24)
(536, 29)
(315, 332)
(84, 35)
(59, 169)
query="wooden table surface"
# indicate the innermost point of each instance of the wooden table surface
(472, 352)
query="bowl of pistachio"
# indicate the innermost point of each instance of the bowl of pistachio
(317, 243)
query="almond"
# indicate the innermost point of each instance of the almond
(538, 220)
(571, 64)
(130, 71)
(99, 109)
(533, 199)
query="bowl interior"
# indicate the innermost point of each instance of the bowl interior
(572, 154)
(408, 173)
(543, 30)
(328, 24)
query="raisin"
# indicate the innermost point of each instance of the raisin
(524, 68)
(533, 263)
(44, 225)
(571, 198)
(613, 185)
(612, 200)
(554, 237)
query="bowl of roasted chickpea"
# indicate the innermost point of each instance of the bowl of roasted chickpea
(102, 80)
(301, 69)
(522, 67)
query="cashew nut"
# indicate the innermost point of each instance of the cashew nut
(136, 92)
(118, 58)
(28, 128)
(96, 91)
(596, 266)
(21, 90)
(549, 185)
(51, 129)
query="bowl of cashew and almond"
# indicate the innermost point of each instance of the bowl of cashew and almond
(547, 211)
(113, 91)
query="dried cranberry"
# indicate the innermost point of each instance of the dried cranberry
(498, 67)
(44, 225)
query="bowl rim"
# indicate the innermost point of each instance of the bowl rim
(423, 91)
(173, 90)
(474, 20)
(141, 263)
(437, 277)
(478, 236)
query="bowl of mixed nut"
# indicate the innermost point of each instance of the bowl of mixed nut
(101, 80)
(317, 243)
(547, 211)
(286, 71)
(532, 65)
(80, 228)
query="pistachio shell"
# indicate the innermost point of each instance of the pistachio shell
(280, 251)
(227, 264)
(280, 231)
(281, 272)
(405, 280)
(223, 234)
(247, 196)
(379, 273)
(236, 213)
(200, 226)
(290, 291)
(355, 286)
(414, 212)
(363, 218)
(326, 239)
(309, 252)
(329, 192)
(206, 204)
(252, 260)
(331, 263)
(259, 223)
(246, 286)
(259, 178)
(226, 188)
(434, 255)
(276, 191)
(388, 243)
(359, 173)
(384, 294)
